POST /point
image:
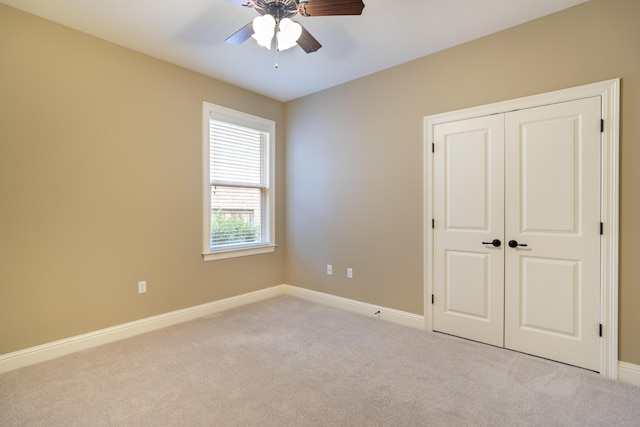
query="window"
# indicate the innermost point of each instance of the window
(238, 217)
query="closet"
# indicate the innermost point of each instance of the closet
(516, 230)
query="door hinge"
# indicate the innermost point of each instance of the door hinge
(433, 147)
(601, 125)
(432, 299)
(433, 223)
(601, 228)
(600, 331)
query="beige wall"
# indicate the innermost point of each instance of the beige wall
(100, 185)
(354, 152)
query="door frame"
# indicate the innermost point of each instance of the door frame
(609, 91)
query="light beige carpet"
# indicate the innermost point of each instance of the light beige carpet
(289, 362)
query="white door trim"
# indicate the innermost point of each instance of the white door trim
(610, 94)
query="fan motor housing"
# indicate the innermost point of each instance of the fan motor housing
(277, 9)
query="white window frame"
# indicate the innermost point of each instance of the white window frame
(238, 118)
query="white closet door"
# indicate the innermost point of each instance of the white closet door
(552, 205)
(469, 209)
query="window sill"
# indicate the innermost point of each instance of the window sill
(238, 252)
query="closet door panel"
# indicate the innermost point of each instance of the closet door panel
(552, 211)
(469, 210)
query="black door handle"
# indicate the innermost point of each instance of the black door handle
(513, 244)
(495, 243)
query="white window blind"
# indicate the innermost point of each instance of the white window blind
(238, 156)
(239, 183)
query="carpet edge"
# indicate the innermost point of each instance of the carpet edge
(371, 310)
(65, 346)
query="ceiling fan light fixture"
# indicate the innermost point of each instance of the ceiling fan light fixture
(264, 28)
(288, 33)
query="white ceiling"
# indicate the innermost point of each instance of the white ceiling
(191, 33)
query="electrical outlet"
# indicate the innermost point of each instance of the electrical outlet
(329, 269)
(142, 287)
(349, 273)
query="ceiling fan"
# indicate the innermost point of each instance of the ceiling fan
(276, 20)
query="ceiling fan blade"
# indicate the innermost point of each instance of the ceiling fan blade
(241, 35)
(330, 7)
(307, 42)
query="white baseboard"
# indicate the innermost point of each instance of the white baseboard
(388, 314)
(629, 373)
(48, 351)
